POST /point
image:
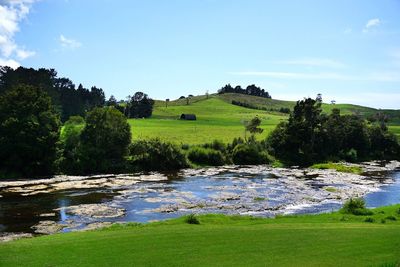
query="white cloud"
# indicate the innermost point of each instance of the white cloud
(372, 23)
(314, 62)
(11, 14)
(9, 62)
(69, 43)
(23, 54)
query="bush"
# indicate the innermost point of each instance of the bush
(355, 206)
(391, 218)
(156, 155)
(369, 220)
(216, 145)
(70, 140)
(249, 154)
(351, 155)
(206, 156)
(192, 219)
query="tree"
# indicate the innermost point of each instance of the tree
(139, 106)
(298, 141)
(254, 126)
(29, 131)
(166, 102)
(104, 140)
(319, 98)
(112, 101)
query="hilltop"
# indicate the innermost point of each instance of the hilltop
(218, 118)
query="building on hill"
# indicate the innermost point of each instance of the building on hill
(188, 117)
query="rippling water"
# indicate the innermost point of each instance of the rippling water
(259, 191)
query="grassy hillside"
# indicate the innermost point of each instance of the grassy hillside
(312, 240)
(217, 118)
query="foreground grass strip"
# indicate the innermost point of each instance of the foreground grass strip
(322, 240)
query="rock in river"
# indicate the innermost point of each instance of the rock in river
(94, 210)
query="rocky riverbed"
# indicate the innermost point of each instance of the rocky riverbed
(70, 203)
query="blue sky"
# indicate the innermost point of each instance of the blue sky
(347, 50)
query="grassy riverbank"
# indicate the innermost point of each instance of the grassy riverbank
(313, 240)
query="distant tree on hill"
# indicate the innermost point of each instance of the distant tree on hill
(112, 101)
(253, 126)
(29, 131)
(166, 102)
(250, 90)
(139, 106)
(319, 98)
(182, 97)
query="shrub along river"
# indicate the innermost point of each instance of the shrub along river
(69, 203)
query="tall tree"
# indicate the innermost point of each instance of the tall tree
(104, 140)
(29, 131)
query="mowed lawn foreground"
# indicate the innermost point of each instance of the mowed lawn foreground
(310, 240)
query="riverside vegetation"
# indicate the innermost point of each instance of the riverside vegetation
(33, 143)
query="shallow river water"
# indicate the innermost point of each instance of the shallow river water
(68, 203)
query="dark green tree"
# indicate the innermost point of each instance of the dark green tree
(29, 131)
(139, 106)
(104, 141)
(253, 126)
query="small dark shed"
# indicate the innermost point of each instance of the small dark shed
(189, 117)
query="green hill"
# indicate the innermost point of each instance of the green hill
(218, 118)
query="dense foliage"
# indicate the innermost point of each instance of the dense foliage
(155, 155)
(29, 132)
(139, 106)
(206, 156)
(310, 136)
(250, 90)
(252, 106)
(104, 141)
(67, 99)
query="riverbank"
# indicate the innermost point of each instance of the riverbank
(333, 239)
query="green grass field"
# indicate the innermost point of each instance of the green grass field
(218, 119)
(311, 240)
(395, 129)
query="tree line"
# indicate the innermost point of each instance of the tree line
(69, 100)
(250, 90)
(32, 142)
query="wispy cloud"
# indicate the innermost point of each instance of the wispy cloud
(69, 43)
(314, 62)
(12, 12)
(376, 76)
(372, 23)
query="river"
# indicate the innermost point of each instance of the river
(69, 203)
